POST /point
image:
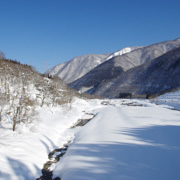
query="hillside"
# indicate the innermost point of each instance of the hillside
(77, 67)
(48, 131)
(154, 77)
(35, 115)
(120, 64)
(80, 65)
(22, 90)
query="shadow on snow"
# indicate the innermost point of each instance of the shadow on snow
(158, 160)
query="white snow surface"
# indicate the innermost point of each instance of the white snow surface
(24, 152)
(171, 99)
(125, 143)
(127, 139)
(123, 51)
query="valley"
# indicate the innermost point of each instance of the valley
(111, 116)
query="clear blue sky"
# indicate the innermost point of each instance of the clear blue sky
(40, 31)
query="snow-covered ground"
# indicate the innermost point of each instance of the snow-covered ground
(125, 142)
(127, 139)
(171, 99)
(24, 152)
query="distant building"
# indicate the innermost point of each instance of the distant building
(125, 95)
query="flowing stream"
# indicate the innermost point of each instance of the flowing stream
(55, 155)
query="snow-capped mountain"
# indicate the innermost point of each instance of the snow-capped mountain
(123, 51)
(152, 78)
(80, 65)
(23, 90)
(77, 67)
(115, 66)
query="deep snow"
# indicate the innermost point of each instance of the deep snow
(125, 142)
(128, 139)
(24, 152)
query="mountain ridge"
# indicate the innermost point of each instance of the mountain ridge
(154, 77)
(80, 65)
(117, 65)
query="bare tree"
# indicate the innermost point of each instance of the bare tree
(4, 99)
(2, 55)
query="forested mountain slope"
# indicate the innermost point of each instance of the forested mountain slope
(154, 77)
(114, 67)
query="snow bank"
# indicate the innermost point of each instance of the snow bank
(127, 139)
(24, 152)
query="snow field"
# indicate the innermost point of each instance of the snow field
(171, 99)
(125, 142)
(24, 152)
(127, 139)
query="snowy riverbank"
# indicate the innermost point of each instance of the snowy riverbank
(135, 141)
(128, 139)
(24, 152)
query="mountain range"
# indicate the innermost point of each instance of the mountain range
(77, 67)
(136, 70)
